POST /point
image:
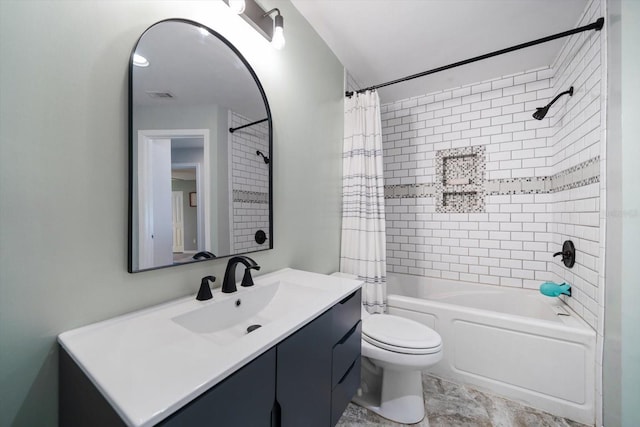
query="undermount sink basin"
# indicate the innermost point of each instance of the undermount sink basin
(233, 316)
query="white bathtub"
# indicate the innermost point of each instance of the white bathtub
(506, 341)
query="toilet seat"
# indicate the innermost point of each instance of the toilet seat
(400, 335)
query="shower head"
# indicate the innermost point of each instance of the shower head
(542, 111)
(265, 158)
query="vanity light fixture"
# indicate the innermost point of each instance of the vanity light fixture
(278, 29)
(261, 21)
(140, 61)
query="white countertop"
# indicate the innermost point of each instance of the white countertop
(148, 366)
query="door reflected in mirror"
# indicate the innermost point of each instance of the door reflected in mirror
(200, 187)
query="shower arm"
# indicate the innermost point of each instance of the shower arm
(570, 92)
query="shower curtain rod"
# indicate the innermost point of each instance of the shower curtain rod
(232, 130)
(597, 26)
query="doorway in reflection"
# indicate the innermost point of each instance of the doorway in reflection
(173, 196)
(187, 158)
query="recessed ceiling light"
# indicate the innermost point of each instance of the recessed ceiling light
(140, 61)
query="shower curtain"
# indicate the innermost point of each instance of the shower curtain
(363, 248)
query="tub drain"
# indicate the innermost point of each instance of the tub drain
(253, 328)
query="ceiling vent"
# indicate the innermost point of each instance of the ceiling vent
(164, 95)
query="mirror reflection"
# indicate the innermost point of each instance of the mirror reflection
(200, 149)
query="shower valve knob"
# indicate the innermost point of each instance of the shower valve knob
(568, 253)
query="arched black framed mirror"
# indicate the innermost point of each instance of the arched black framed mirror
(197, 116)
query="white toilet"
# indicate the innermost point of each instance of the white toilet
(394, 352)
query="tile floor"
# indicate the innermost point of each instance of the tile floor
(453, 405)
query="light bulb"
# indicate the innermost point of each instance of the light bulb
(277, 40)
(237, 6)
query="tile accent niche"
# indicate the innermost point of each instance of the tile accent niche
(460, 179)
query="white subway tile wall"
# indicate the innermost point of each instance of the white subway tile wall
(542, 179)
(474, 247)
(579, 214)
(249, 184)
(578, 130)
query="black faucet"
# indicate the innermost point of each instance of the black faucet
(229, 282)
(205, 291)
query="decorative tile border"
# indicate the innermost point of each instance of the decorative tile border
(582, 174)
(410, 191)
(585, 173)
(250, 196)
(528, 185)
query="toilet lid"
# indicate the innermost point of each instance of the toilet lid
(399, 334)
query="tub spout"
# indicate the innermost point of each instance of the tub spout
(551, 289)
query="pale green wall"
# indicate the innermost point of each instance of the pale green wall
(630, 203)
(611, 375)
(63, 173)
(621, 362)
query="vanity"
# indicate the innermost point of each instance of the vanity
(283, 352)
(193, 363)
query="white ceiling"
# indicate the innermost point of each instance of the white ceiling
(382, 40)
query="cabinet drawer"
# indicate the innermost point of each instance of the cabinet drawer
(345, 352)
(346, 314)
(344, 391)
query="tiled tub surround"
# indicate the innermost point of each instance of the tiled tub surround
(511, 242)
(542, 179)
(579, 214)
(578, 135)
(250, 184)
(506, 243)
(543, 184)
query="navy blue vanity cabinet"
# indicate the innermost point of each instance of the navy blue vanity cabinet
(246, 398)
(79, 401)
(319, 367)
(304, 376)
(306, 380)
(345, 353)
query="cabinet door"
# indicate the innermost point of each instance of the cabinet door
(246, 398)
(304, 375)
